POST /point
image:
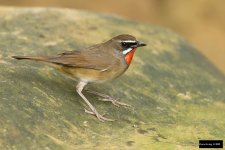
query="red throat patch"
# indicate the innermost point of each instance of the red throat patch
(129, 56)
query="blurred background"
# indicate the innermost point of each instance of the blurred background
(201, 22)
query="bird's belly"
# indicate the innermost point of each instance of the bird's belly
(92, 75)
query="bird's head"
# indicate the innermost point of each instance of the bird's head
(127, 45)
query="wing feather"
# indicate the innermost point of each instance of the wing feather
(94, 57)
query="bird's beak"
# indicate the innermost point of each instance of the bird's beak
(140, 44)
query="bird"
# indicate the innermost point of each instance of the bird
(95, 64)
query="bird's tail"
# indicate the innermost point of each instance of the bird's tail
(36, 58)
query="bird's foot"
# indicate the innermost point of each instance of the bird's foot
(96, 114)
(107, 98)
(114, 101)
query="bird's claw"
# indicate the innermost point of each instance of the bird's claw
(114, 101)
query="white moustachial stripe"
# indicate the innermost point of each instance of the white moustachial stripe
(127, 51)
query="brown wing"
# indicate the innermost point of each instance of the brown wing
(94, 57)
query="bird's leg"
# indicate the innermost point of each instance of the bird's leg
(93, 111)
(108, 98)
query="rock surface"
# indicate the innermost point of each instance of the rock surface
(177, 94)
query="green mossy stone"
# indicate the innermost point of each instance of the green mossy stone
(178, 96)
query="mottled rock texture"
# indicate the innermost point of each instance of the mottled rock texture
(177, 95)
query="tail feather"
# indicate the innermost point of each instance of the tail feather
(38, 58)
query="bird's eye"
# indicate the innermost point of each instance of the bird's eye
(124, 44)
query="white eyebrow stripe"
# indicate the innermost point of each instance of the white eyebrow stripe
(129, 41)
(127, 51)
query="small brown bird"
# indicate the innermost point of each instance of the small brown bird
(97, 63)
